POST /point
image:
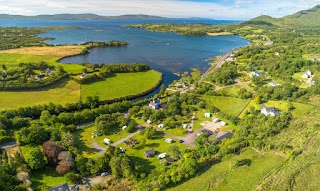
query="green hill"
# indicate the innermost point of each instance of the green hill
(310, 17)
(87, 16)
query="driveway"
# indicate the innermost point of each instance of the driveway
(189, 139)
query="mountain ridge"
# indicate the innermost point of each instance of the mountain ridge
(310, 17)
(90, 16)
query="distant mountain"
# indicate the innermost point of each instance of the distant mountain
(89, 16)
(310, 17)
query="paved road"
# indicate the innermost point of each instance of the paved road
(125, 138)
(218, 65)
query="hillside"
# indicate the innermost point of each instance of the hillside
(89, 16)
(310, 17)
(80, 17)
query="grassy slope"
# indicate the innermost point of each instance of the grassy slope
(223, 176)
(228, 105)
(67, 91)
(123, 84)
(13, 60)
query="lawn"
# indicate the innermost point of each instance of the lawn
(224, 176)
(300, 109)
(67, 91)
(228, 105)
(121, 85)
(46, 177)
(13, 60)
(230, 91)
(158, 144)
(84, 136)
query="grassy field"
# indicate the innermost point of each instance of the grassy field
(13, 60)
(67, 91)
(228, 105)
(123, 84)
(84, 136)
(224, 176)
(59, 51)
(158, 144)
(48, 179)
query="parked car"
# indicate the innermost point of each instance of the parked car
(181, 141)
(104, 174)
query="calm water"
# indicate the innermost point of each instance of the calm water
(165, 52)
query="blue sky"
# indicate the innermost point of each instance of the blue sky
(215, 9)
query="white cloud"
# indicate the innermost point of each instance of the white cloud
(228, 9)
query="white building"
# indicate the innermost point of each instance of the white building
(155, 104)
(307, 74)
(269, 111)
(162, 155)
(223, 123)
(124, 127)
(160, 125)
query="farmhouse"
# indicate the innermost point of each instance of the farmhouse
(307, 74)
(150, 153)
(269, 111)
(155, 104)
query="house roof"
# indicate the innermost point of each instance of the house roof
(62, 187)
(150, 152)
(223, 135)
(168, 159)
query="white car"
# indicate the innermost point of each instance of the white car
(104, 174)
(161, 156)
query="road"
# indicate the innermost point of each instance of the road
(218, 65)
(125, 138)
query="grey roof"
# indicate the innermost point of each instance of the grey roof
(223, 135)
(62, 187)
(150, 152)
(168, 159)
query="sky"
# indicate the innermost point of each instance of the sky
(214, 9)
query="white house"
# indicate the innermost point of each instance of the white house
(155, 104)
(168, 140)
(207, 115)
(160, 125)
(162, 155)
(307, 74)
(107, 141)
(124, 127)
(149, 121)
(269, 111)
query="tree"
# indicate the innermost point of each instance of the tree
(162, 90)
(64, 167)
(134, 110)
(149, 132)
(45, 117)
(35, 158)
(51, 150)
(92, 101)
(67, 140)
(174, 152)
(131, 126)
(74, 178)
